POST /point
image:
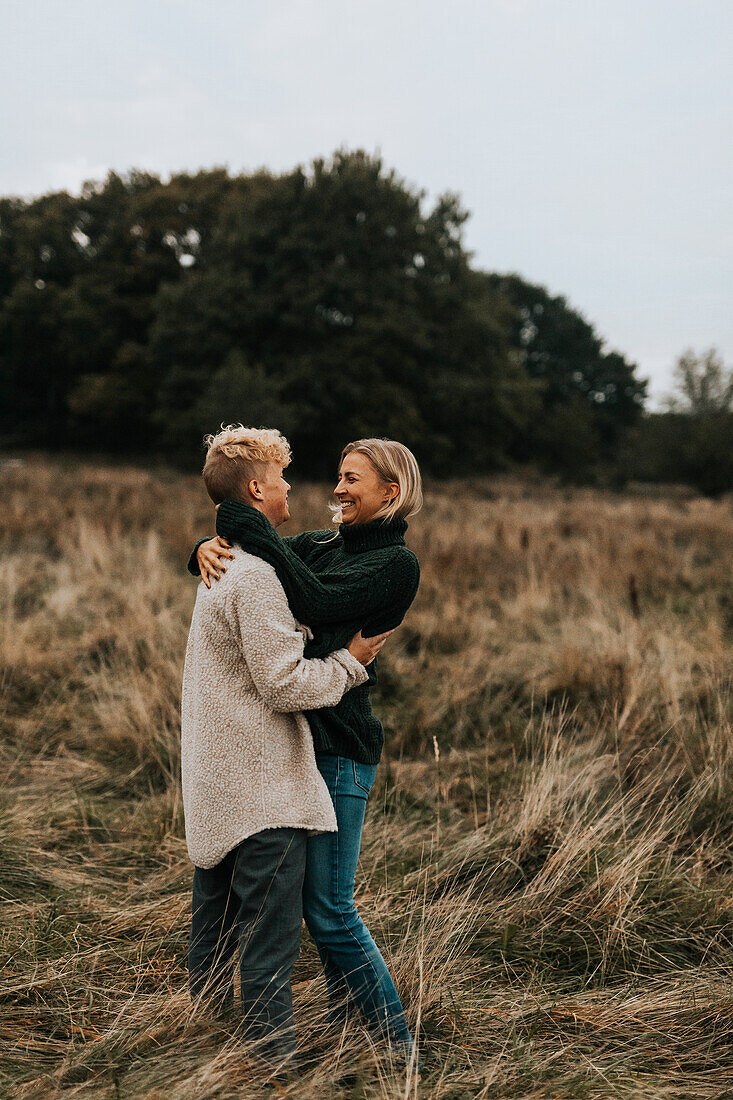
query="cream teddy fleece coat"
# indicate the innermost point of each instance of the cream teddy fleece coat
(247, 759)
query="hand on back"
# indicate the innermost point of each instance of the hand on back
(366, 649)
(210, 556)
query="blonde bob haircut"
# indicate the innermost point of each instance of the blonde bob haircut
(237, 455)
(392, 461)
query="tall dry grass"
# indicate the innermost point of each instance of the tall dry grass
(547, 860)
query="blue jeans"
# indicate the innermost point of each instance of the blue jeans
(355, 970)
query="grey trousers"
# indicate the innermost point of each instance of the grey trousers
(251, 901)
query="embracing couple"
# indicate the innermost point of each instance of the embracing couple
(279, 744)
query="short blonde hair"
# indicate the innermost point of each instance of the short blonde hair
(393, 461)
(236, 455)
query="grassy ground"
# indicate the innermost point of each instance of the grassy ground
(547, 860)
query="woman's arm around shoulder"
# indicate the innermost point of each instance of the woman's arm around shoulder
(308, 545)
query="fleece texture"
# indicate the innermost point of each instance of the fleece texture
(247, 758)
(363, 577)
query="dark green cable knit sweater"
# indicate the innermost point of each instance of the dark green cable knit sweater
(363, 579)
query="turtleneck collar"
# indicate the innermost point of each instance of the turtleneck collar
(374, 535)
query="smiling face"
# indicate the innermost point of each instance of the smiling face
(360, 490)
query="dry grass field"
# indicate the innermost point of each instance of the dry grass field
(548, 855)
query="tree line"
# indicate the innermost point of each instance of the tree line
(328, 301)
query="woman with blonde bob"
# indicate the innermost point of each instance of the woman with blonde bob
(362, 577)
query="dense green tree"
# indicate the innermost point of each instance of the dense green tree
(363, 310)
(242, 392)
(687, 449)
(328, 300)
(565, 356)
(692, 441)
(36, 371)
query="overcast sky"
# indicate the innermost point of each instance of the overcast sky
(591, 140)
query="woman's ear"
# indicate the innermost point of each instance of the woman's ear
(254, 489)
(393, 491)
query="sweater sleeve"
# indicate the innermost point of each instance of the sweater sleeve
(272, 647)
(397, 598)
(301, 545)
(317, 602)
(306, 543)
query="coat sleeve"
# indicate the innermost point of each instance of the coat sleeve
(272, 647)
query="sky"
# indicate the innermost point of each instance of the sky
(591, 140)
